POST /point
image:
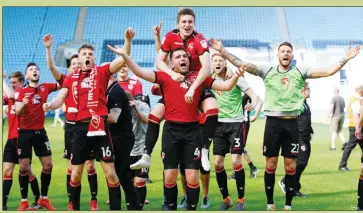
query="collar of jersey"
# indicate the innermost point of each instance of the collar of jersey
(278, 70)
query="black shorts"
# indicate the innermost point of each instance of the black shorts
(10, 151)
(229, 138)
(84, 147)
(281, 133)
(182, 169)
(33, 138)
(140, 173)
(161, 101)
(181, 142)
(207, 94)
(68, 137)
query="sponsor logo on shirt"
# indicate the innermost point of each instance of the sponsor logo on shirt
(85, 83)
(36, 99)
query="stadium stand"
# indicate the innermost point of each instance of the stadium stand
(254, 29)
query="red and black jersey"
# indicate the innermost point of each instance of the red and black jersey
(196, 45)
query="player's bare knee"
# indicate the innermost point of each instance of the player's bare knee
(236, 162)
(24, 166)
(271, 163)
(218, 164)
(48, 166)
(8, 169)
(170, 176)
(290, 164)
(90, 166)
(192, 176)
(111, 175)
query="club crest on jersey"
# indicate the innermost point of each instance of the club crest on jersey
(37, 99)
(41, 88)
(130, 86)
(203, 43)
(16, 95)
(190, 46)
(285, 81)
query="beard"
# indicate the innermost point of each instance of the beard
(34, 80)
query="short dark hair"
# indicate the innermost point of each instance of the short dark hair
(73, 56)
(177, 49)
(85, 46)
(184, 12)
(17, 75)
(31, 64)
(286, 44)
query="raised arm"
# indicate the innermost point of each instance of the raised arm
(6, 90)
(202, 75)
(254, 98)
(134, 67)
(251, 68)
(48, 41)
(228, 84)
(157, 30)
(119, 62)
(258, 110)
(57, 101)
(162, 64)
(334, 68)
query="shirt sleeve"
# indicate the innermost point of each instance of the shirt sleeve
(155, 90)
(159, 77)
(51, 87)
(262, 70)
(114, 98)
(208, 82)
(332, 101)
(166, 43)
(67, 82)
(355, 107)
(242, 84)
(305, 71)
(62, 79)
(105, 69)
(19, 95)
(202, 46)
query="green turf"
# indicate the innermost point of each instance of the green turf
(327, 188)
